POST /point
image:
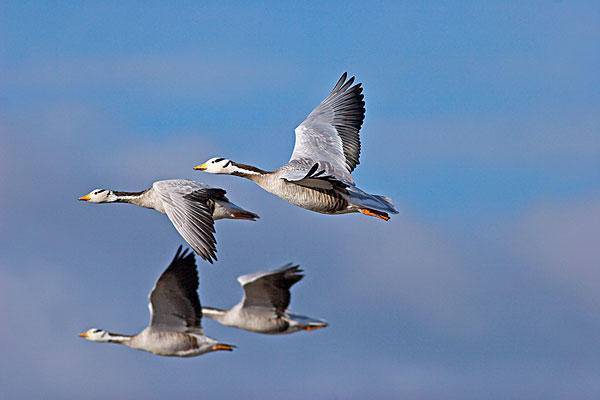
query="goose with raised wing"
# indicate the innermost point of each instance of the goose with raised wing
(264, 306)
(191, 206)
(318, 175)
(175, 315)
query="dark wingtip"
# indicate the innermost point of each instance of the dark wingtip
(177, 253)
(294, 271)
(340, 82)
(209, 254)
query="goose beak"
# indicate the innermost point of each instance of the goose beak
(83, 334)
(223, 346)
(85, 198)
(201, 167)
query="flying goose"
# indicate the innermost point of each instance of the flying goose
(191, 206)
(175, 315)
(263, 308)
(318, 175)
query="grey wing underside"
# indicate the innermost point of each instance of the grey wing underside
(328, 142)
(270, 289)
(174, 303)
(187, 206)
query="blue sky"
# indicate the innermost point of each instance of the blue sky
(482, 123)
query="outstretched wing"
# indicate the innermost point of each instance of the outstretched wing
(328, 141)
(270, 289)
(174, 302)
(187, 206)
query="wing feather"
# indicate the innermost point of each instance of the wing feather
(270, 289)
(329, 137)
(341, 114)
(189, 206)
(174, 301)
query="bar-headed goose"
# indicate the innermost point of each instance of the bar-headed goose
(264, 306)
(318, 175)
(175, 315)
(191, 206)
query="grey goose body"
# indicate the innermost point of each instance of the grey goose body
(263, 308)
(318, 176)
(191, 206)
(175, 316)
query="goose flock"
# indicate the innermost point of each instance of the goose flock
(318, 177)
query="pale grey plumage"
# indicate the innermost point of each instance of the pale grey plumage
(263, 308)
(328, 139)
(191, 206)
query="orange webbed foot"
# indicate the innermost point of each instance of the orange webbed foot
(372, 213)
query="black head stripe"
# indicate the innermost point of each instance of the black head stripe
(219, 159)
(249, 168)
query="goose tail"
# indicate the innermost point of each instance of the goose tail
(372, 205)
(228, 210)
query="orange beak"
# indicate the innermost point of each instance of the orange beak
(85, 198)
(201, 167)
(223, 346)
(83, 334)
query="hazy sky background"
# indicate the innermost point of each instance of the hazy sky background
(483, 124)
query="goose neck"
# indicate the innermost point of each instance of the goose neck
(248, 171)
(137, 198)
(214, 313)
(118, 338)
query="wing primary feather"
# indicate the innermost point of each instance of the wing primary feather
(174, 300)
(331, 133)
(340, 82)
(270, 289)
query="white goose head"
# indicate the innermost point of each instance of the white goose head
(217, 165)
(96, 335)
(99, 196)
(220, 165)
